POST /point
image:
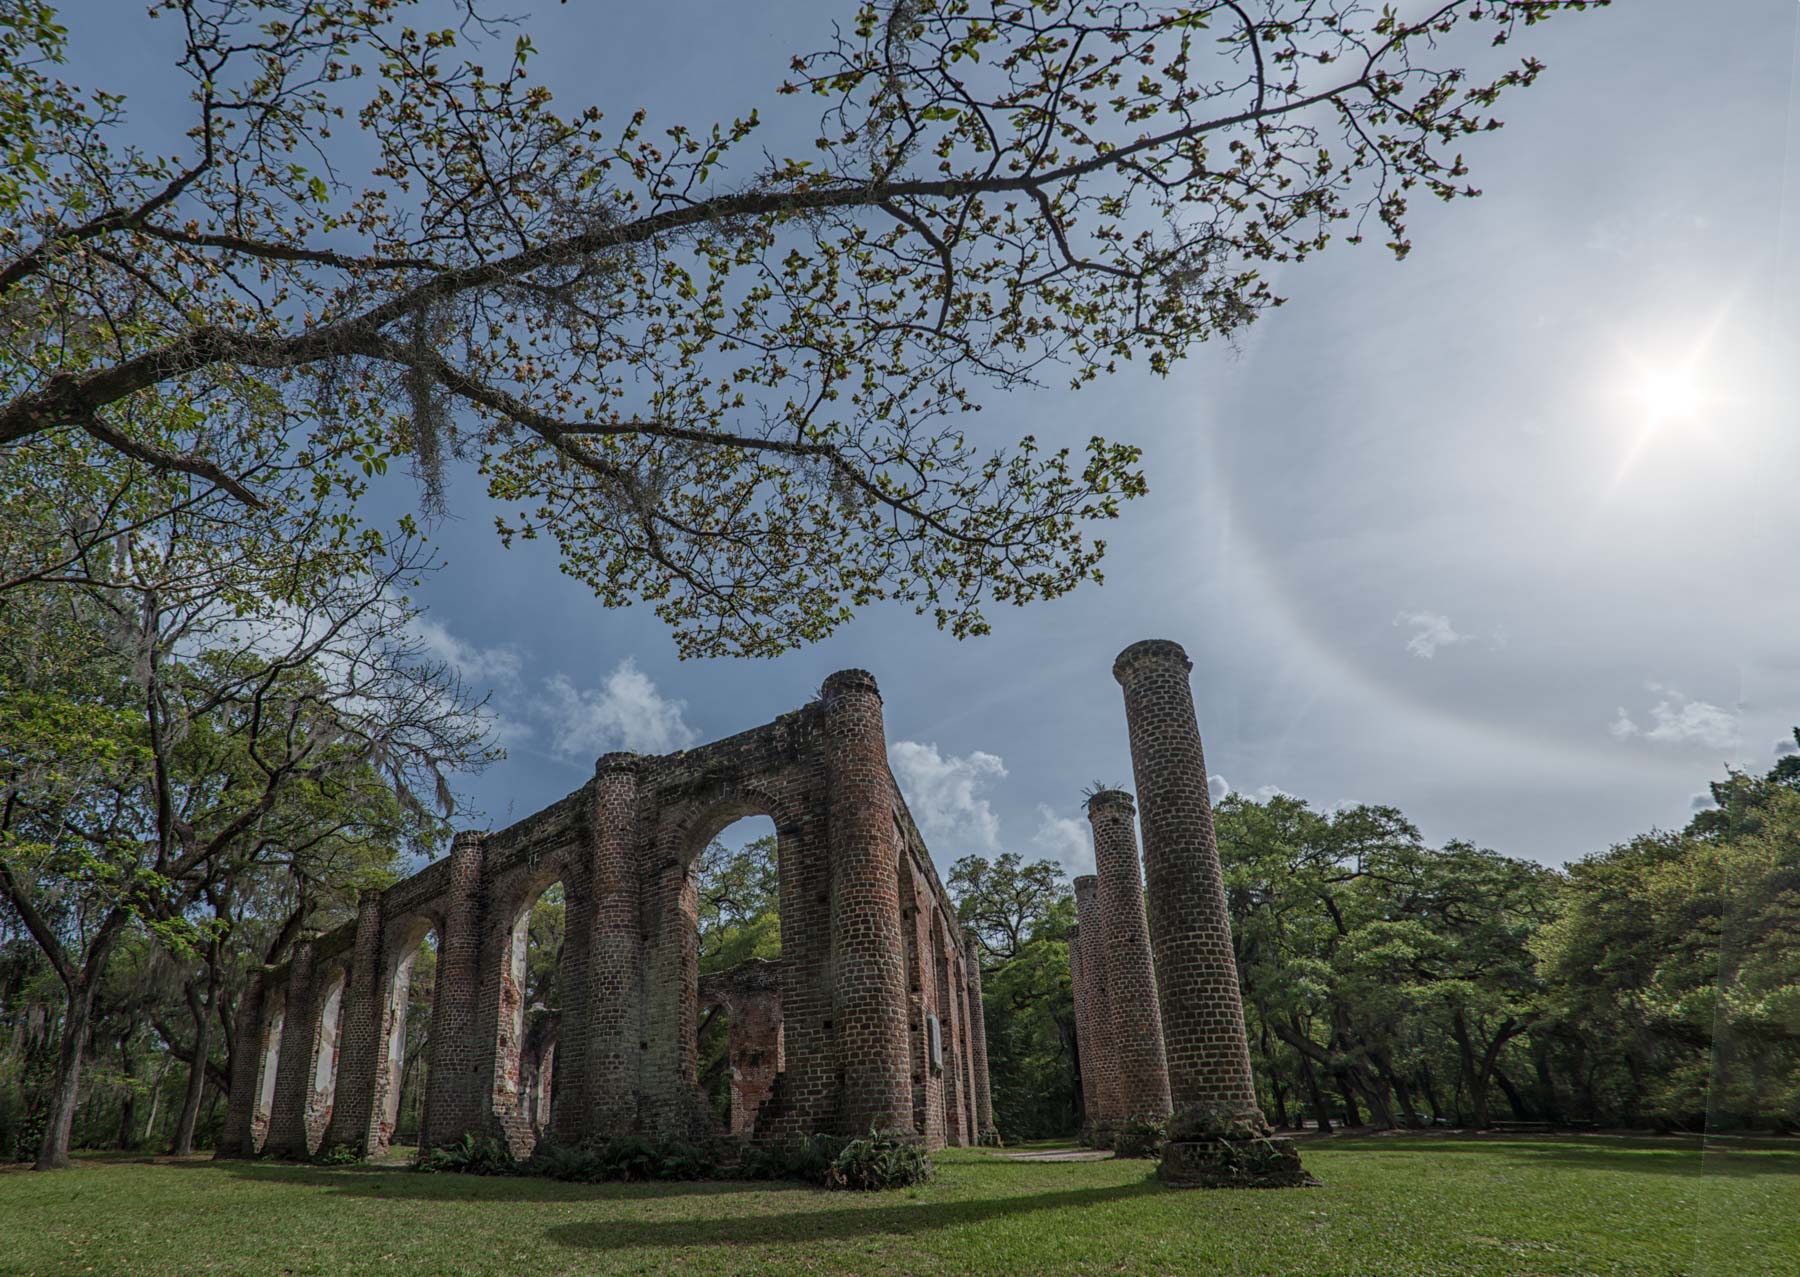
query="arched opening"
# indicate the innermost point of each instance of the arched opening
(274, 1019)
(738, 1027)
(531, 1010)
(406, 1051)
(323, 1092)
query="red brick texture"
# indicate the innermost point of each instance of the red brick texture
(1212, 1092)
(1099, 1050)
(870, 950)
(1190, 930)
(1136, 1023)
(978, 1057)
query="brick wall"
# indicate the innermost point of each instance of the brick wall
(857, 971)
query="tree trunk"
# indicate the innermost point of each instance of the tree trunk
(1513, 1099)
(1548, 1100)
(65, 1086)
(1426, 1085)
(183, 1143)
(1352, 1114)
(127, 1136)
(162, 1071)
(1316, 1097)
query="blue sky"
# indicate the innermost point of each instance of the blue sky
(1501, 535)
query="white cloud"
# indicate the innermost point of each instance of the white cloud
(1431, 630)
(1066, 839)
(1217, 787)
(1680, 720)
(625, 712)
(471, 664)
(944, 792)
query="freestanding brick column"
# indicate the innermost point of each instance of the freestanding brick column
(1217, 1134)
(984, 1100)
(868, 952)
(238, 1138)
(453, 1100)
(610, 1043)
(1102, 1047)
(1084, 1037)
(1130, 974)
(294, 1067)
(361, 1043)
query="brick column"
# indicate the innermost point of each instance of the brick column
(604, 1039)
(1084, 1038)
(1130, 974)
(984, 1101)
(1217, 1134)
(237, 1139)
(453, 1100)
(293, 1070)
(360, 1041)
(868, 953)
(1103, 1045)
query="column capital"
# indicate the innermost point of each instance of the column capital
(845, 681)
(1110, 800)
(1150, 652)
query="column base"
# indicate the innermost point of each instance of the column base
(1233, 1162)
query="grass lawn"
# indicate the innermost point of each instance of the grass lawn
(1392, 1207)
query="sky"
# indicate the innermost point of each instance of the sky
(1501, 535)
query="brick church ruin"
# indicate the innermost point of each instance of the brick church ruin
(871, 1017)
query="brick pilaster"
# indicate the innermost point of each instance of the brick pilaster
(869, 976)
(293, 1070)
(453, 1101)
(237, 1139)
(361, 1045)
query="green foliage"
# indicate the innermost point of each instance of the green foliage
(870, 1163)
(813, 335)
(628, 1159)
(879, 1161)
(474, 1155)
(1020, 915)
(339, 1155)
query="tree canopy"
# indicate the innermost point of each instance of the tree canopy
(736, 388)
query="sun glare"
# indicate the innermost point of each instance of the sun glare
(1671, 394)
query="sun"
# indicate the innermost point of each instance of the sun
(1671, 393)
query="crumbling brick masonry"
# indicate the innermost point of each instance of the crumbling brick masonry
(869, 1019)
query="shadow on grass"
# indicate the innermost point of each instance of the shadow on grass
(1626, 1155)
(836, 1223)
(403, 1182)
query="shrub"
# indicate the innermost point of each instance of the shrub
(876, 1161)
(628, 1158)
(1141, 1137)
(879, 1161)
(339, 1155)
(475, 1155)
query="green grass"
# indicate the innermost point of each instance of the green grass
(1390, 1207)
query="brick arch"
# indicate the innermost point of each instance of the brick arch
(402, 939)
(623, 846)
